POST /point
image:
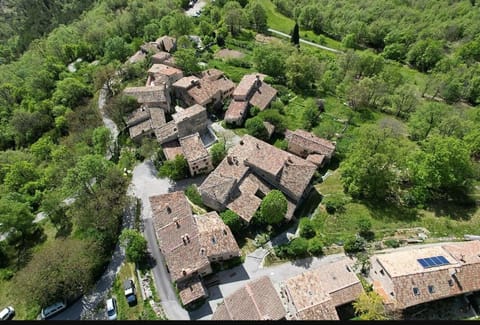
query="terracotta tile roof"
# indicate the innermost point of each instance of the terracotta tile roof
(193, 148)
(465, 252)
(257, 300)
(166, 132)
(292, 174)
(212, 74)
(151, 94)
(162, 69)
(218, 187)
(189, 112)
(245, 203)
(215, 236)
(311, 292)
(140, 128)
(263, 96)
(177, 234)
(245, 86)
(191, 290)
(158, 116)
(221, 313)
(296, 175)
(185, 82)
(310, 142)
(237, 110)
(401, 263)
(171, 149)
(207, 89)
(167, 207)
(316, 159)
(137, 116)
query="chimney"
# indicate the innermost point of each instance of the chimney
(184, 240)
(176, 222)
(187, 238)
(229, 160)
(258, 82)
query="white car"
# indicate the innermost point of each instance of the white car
(112, 309)
(7, 313)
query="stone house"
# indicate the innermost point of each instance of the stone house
(250, 170)
(209, 90)
(144, 122)
(167, 43)
(185, 243)
(315, 294)
(307, 145)
(198, 158)
(251, 91)
(151, 96)
(256, 300)
(419, 275)
(163, 74)
(191, 120)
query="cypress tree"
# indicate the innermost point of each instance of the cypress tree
(295, 36)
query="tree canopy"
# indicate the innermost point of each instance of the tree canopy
(273, 207)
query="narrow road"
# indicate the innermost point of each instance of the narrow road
(145, 184)
(306, 42)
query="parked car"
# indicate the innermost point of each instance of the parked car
(53, 309)
(112, 309)
(7, 313)
(129, 288)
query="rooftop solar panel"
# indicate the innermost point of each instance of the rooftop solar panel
(443, 259)
(433, 261)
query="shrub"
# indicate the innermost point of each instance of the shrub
(273, 207)
(306, 228)
(354, 245)
(393, 243)
(192, 193)
(298, 247)
(335, 202)
(232, 220)
(315, 246)
(176, 169)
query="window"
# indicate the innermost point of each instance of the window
(382, 272)
(450, 282)
(213, 240)
(416, 292)
(392, 294)
(431, 289)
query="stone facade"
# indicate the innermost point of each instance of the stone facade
(191, 120)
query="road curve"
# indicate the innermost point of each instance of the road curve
(306, 42)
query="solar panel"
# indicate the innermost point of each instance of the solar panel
(422, 262)
(433, 261)
(443, 259)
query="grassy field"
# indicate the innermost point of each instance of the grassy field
(441, 220)
(277, 21)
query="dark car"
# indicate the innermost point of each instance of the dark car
(129, 288)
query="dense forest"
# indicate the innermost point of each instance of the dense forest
(399, 100)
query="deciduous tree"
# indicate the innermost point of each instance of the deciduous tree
(273, 207)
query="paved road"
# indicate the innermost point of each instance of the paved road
(306, 42)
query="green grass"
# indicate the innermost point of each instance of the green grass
(440, 219)
(142, 310)
(232, 72)
(277, 21)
